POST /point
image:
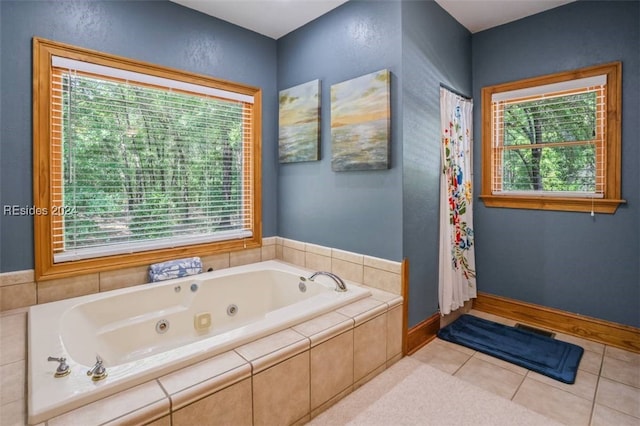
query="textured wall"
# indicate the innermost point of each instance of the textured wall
(393, 213)
(563, 260)
(160, 32)
(435, 49)
(356, 211)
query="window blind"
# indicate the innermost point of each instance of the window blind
(141, 162)
(550, 139)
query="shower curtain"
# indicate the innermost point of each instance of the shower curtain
(457, 275)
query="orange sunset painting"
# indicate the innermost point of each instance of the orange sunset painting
(299, 123)
(360, 119)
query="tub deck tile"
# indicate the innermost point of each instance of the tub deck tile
(204, 378)
(273, 358)
(363, 310)
(145, 401)
(390, 299)
(324, 327)
(272, 349)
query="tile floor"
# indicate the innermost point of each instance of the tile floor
(606, 391)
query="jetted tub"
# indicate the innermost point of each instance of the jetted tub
(149, 330)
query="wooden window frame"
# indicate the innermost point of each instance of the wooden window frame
(612, 149)
(46, 165)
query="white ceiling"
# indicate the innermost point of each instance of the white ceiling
(273, 18)
(478, 15)
(276, 18)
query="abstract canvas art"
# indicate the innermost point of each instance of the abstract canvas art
(360, 121)
(299, 121)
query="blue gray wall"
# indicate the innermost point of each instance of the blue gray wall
(435, 50)
(159, 32)
(567, 261)
(393, 213)
(355, 211)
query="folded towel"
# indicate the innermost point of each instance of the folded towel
(175, 269)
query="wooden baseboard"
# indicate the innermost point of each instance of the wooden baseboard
(405, 304)
(422, 333)
(609, 333)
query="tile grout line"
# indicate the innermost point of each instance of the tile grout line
(464, 363)
(595, 393)
(524, 377)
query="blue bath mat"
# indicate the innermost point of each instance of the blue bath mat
(544, 355)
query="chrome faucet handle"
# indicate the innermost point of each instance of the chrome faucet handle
(63, 368)
(97, 372)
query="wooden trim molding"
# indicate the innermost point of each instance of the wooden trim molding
(597, 205)
(422, 333)
(597, 330)
(405, 303)
(612, 146)
(46, 164)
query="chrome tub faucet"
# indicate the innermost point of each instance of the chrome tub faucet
(340, 285)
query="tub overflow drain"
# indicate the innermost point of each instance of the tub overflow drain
(232, 310)
(162, 326)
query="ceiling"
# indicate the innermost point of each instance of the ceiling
(273, 18)
(276, 18)
(478, 15)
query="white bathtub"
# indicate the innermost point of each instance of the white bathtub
(121, 326)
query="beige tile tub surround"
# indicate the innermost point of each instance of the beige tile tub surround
(138, 405)
(190, 384)
(227, 380)
(230, 406)
(13, 350)
(281, 393)
(121, 278)
(331, 367)
(214, 391)
(285, 378)
(272, 349)
(371, 271)
(65, 288)
(369, 347)
(19, 289)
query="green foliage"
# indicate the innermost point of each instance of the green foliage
(541, 127)
(142, 163)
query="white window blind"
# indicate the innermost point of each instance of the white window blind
(142, 162)
(550, 139)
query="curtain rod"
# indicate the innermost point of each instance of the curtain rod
(457, 92)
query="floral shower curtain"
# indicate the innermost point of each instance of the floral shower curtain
(457, 277)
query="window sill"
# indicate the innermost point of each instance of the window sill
(47, 270)
(597, 205)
